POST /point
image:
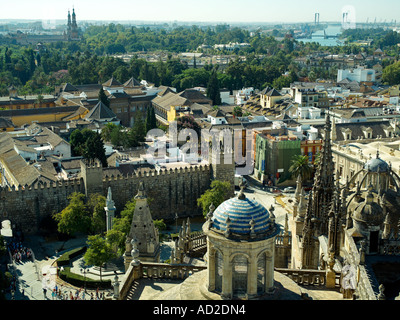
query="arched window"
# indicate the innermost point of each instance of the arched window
(239, 275)
(261, 271)
(218, 271)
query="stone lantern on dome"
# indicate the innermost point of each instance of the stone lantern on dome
(241, 247)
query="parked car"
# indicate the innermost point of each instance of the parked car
(289, 190)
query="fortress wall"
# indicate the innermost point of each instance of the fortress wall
(26, 206)
(170, 192)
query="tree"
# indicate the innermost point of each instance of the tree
(188, 122)
(107, 130)
(88, 143)
(237, 111)
(218, 193)
(103, 98)
(121, 227)
(76, 140)
(95, 205)
(300, 166)
(151, 122)
(75, 217)
(99, 251)
(391, 74)
(138, 132)
(213, 88)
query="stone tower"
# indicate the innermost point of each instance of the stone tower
(69, 23)
(143, 229)
(92, 175)
(74, 26)
(221, 159)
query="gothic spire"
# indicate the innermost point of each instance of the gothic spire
(324, 181)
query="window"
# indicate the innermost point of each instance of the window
(261, 267)
(218, 271)
(239, 275)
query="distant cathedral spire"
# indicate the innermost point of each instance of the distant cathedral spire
(69, 20)
(72, 27)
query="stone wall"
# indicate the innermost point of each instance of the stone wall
(170, 192)
(26, 206)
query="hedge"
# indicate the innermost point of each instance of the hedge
(77, 279)
(66, 258)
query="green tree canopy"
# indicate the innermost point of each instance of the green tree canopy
(218, 193)
(89, 144)
(99, 252)
(121, 227)
(75, 217)
(391, 74)
(300, 167)
(95, 205)
(103, 98)
(213, 88)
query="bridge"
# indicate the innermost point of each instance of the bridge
(325, 36)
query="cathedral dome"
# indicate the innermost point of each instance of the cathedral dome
(242, 216)
(377, 164)
(369, 212)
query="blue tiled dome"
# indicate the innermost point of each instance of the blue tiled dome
(373, 165)
(242, 214)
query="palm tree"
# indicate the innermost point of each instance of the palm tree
(300, 166)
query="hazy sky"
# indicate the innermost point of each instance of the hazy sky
(202, 10)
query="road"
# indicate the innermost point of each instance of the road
(256, 192)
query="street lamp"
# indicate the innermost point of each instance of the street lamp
(176, 222)
(84, 276)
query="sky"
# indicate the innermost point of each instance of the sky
(203, 10)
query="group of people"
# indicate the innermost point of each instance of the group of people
(18, 251)
(58, 294)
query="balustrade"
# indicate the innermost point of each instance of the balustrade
(307, 277)
(167, 271)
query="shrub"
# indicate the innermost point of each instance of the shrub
(80, 281)
(66, 257)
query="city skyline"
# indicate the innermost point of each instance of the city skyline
(205, 11)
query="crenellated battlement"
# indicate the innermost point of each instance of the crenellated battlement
(173, 191)
(72, 183)
(161, 172)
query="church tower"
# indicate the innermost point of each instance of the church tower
(72, 32)
(221, 159)
(74, 26)
(69, 22)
